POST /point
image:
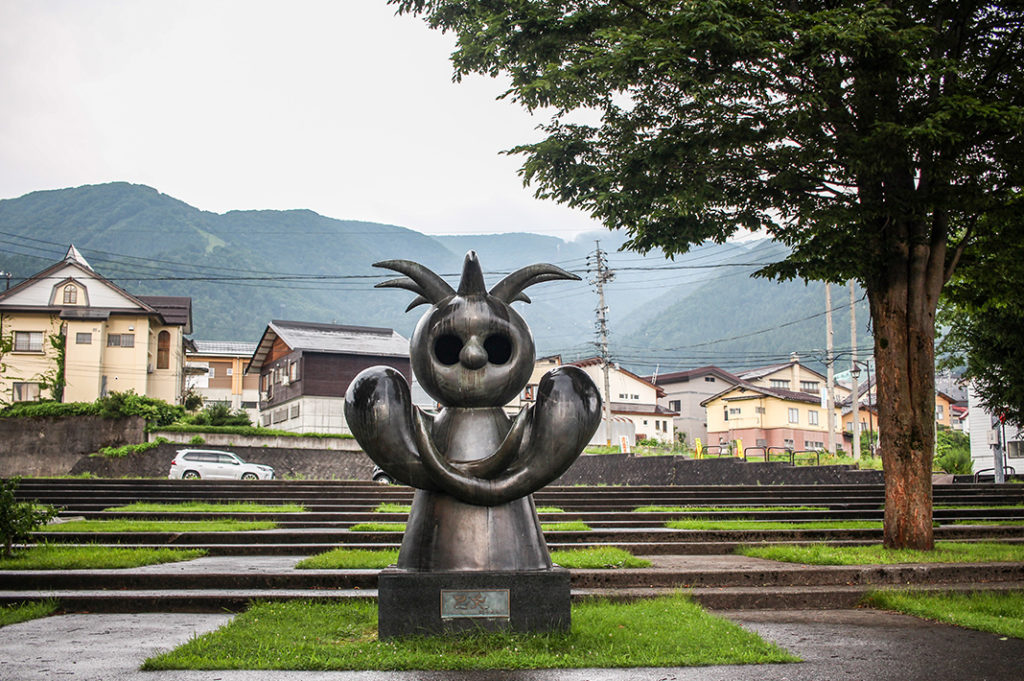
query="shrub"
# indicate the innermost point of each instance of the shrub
(197, 440)
(218, 414)
(120, 452)
(156, 412)
(247, 430)
(953, 452)
(19, 519)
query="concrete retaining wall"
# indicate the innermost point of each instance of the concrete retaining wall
(610, 469)
(44, 446)
(222, 440)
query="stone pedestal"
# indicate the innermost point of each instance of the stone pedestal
(432, 603)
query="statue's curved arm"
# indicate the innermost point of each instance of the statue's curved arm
(565, 416)
(379, 412)
(495, 464)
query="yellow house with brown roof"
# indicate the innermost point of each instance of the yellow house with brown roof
(70, 319)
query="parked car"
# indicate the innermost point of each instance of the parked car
(193, 464)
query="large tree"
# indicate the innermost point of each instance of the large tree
(872, 138)
(983, 315)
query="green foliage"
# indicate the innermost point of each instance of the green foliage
(953, 452)
(997, 612)
(251, 431)
(388, 507)
(377, 527)
(566, 526)
(197, 440)
(46, 409)
(721, 509)
(126, 450)
(19, 519)
(945, 552)
(23, 612)
(57, 557)
(53, 379)
(707, 524)
(208, 507)
(661, 632)
(156, 412)
(192, 400)
(350, 559)
(218, 414)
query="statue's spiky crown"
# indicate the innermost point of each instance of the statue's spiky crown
(431, 289)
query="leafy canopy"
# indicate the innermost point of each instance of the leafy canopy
(852, 131)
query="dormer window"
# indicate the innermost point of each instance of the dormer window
(70, 294)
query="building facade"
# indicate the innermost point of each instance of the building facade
(633, 400)
(304, 369)
(77, 336)
(684, 391)
(215, 370)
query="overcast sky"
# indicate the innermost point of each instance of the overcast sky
(337, 106)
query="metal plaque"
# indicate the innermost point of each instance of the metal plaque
(493, 603)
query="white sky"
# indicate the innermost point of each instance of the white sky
(337, 106)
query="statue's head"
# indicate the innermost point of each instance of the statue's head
(471, 349)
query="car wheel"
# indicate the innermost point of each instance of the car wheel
(190, 475)
(249, 476)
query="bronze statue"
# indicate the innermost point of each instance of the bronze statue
(474, 468)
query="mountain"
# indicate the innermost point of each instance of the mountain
(243, 268)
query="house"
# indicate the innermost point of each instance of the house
(68, 318)
(989, 435)
(792, 376)
(215, 370)
(684, 393)
(767, 417)
(528, 395)
(634, 400)
(305, 368)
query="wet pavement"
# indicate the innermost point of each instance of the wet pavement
(834, 644)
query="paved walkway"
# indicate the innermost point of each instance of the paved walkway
(861, 645)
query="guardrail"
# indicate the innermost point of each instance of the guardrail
(1007, 470)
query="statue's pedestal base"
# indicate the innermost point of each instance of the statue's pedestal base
(432, 603)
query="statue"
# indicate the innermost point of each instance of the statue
(474, 468)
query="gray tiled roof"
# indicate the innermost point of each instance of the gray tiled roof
(361, 340)
(235, 348)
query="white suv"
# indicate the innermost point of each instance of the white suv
(192, 464)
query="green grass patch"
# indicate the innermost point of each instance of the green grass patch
(350, 559)
(378, 527)
(945, 552)
(988, 521)
(208, 507)
(696, 524)
(23, 612)
(388, 507)
(58, 557)
(714, 509)
(662, 632)
(253, 431)
(598, 558)
(126, 450)
(566, 526)
(549, 509)
(123, 525)
(999, 613)
(981, 506)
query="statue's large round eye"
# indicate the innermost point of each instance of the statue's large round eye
(499, 349)
(447, 349)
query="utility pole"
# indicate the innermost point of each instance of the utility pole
(854, 374)
(603, 276)
(831, 372)
(7, 275)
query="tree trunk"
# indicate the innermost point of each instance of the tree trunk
(903, 314)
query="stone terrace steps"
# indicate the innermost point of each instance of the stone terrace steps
(738, 582)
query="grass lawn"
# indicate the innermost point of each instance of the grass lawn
(388, 507)
(663, 632)
(567, 526)
(945, 552)
(370, 559)
(774, 525)
(988, 521)
(598, 558)
(116, 525)
(377, 527)
(59, 557)
(999, 613)
(715, 509)
(208, 507)
(549, 509)
(23, 612)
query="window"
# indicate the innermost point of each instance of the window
(779, 383)
(734, 411)
(622, 396)
(812, 417)
(709, 379)
(83, 338)
(675, 405)
(809, 386)
(761, 442)
(528, 393)
(163, 350)
(26, 392)
(28, 341)
(266, 419)
(726, 409)
(70, 295)
(212, 373)
(121, 340)
(794, 415)
(759, 410)
(938, 412)
(293, 371)
(295, 411)
(230, 371)
(787, 443)
(813, 444)
(249, 405)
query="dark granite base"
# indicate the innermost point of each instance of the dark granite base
(432, 603)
